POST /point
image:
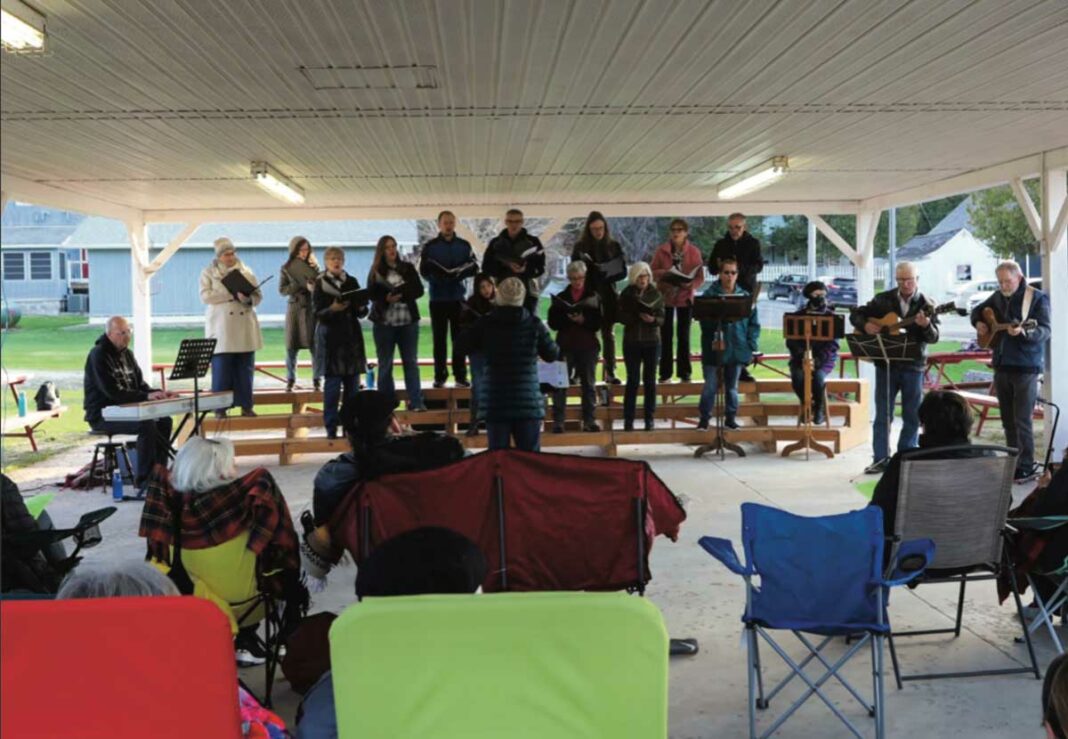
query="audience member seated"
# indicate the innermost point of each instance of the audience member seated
(1033, 552)
(1055, 697)
(379, 447)
(236, 538)
(946, 420)
(137, 579)
(422, 561)
(30, 568)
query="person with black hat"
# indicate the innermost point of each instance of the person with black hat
(824, 353)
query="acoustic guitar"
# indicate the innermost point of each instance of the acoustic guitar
(892, 323)
(996, 329)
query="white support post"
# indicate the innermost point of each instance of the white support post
(140, 294)
(552, 228)
(169, 250)
(812, 266)
(834, 237)
(867, 225)
(1055, 272)
(3, 201)
(1034, 220)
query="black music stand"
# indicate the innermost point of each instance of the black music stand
(806, 327)
(722, 309)
(193, 361)
(884, 349)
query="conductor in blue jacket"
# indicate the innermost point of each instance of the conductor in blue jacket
(740, 339)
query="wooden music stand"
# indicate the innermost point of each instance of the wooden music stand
(722, 309)
(806, 328)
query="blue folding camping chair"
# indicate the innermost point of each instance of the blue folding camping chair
(820, 576)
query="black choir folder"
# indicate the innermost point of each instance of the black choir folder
(236, 282)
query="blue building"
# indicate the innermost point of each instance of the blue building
(261, 246)
(40, 273)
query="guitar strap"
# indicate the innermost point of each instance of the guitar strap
(1025, 308)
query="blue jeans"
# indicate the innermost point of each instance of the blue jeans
(526, 432)
(233, 371)
(337, 389)
(909, 382)
(405, 338)
(708, 394)
(478, 372)
(291, 365)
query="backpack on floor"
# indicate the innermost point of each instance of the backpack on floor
(47, 397)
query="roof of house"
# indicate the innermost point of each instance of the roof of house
(13, 237)
(955, 221)
(109, 233)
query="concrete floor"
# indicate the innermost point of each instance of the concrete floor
(699, 598)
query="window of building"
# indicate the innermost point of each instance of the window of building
(14, 265)
(62, 266)
(40, 265)
(78, 261)
(964, 273)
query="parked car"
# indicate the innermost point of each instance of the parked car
(962, 294)
(788, 286)
(842, 291)
(978, 297)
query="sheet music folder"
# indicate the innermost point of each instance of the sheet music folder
(885, 347)
(725, 308)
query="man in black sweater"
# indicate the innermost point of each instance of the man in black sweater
(112, 377)
(744, 248)
(515, 253)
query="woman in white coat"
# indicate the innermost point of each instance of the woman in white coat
(231, 319)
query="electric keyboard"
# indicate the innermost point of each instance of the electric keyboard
(150, 409)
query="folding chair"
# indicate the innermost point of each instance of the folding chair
(817, 576)
(117, 667)
(961, 504)
(521, 665)
(1051, 606)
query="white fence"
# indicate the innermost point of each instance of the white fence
(773, 272)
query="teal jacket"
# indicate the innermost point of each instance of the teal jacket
(741, 336)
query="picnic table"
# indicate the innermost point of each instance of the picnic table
(22, 427)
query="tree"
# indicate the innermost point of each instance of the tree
(998, 221)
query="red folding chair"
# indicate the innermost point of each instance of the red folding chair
(117, 667)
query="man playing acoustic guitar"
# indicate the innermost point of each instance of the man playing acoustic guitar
(1018, 317)
(888, 308)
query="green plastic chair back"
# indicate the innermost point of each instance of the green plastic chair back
(518, 665)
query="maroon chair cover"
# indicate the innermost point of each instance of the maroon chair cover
(567, 522)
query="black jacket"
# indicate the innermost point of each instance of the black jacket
(503, 248)
(1024, 353)
(887, 302)
(339, 347)
(112, 377)
(746, 251)
(635, 330)
(475, 307)
(411, 290)
(572, 336)
(512, 340)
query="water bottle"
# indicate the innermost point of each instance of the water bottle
(22, 403)
(370, 378)
(116, 486)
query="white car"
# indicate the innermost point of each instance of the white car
(988, 288)
(963, 294)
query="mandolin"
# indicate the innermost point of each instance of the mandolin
(892, 323)
(989, 317)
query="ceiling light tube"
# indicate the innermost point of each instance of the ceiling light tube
(276, 183)
(753, 179)
(22, 28)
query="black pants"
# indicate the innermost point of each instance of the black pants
(682, 362)
(153, 442)
(582, 364)
(1016, 400)
(797, 380)
(608, 348)
(445, 321)
(640, 360)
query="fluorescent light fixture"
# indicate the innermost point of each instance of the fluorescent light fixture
(22, 28)
(276, 183)
(753, 179)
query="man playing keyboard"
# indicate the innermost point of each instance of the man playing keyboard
(112, 377)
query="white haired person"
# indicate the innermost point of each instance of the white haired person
(231, 320)
(234, 535)
(575, 315)
(1019, 357)
(511, 339)
(641, 311)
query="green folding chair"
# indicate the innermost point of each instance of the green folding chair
(521, 665)
(1051, 606)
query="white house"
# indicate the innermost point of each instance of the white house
(949, 256)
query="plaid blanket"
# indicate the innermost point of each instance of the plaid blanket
(253, 503)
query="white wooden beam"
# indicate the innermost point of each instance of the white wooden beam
(562, 205)
(1056, 234)
(169, 250)
(3, 201)
(552, 228)
(812, 267)
(976, 179)
(140, 294)
(1034, 221)
(867, 226)
(469, 233)
(1055, 272)
(18, 188)
(833, 236)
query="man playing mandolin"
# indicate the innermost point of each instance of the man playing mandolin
(1015, 318)
(906, 309)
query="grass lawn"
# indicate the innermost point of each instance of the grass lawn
(45, 344)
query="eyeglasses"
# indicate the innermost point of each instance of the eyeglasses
(727, 272)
